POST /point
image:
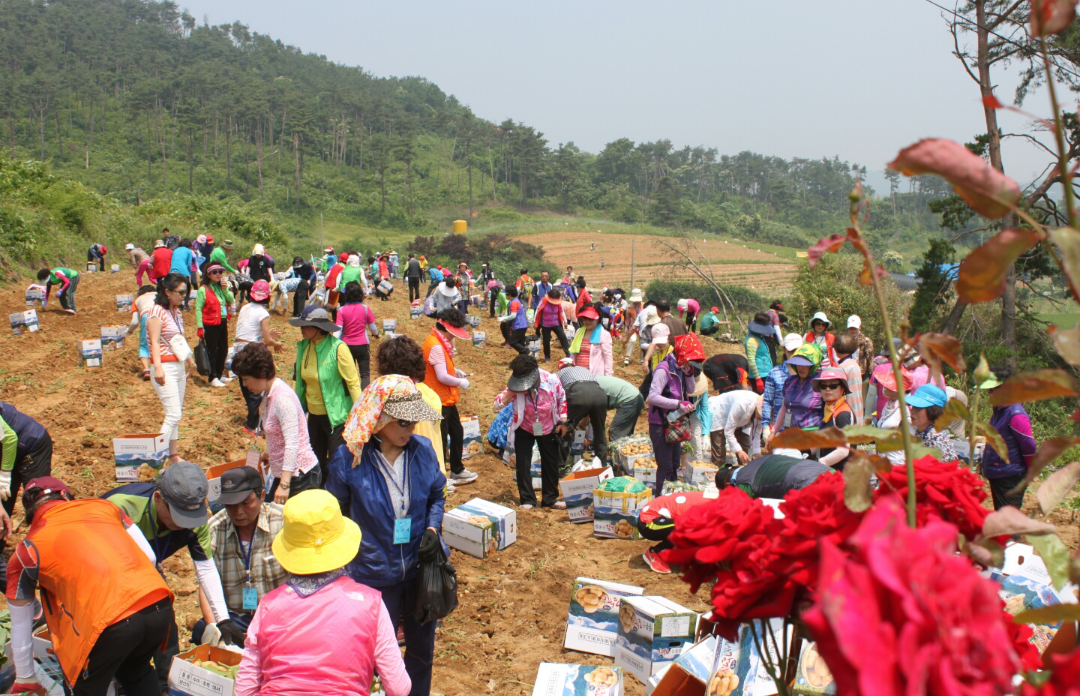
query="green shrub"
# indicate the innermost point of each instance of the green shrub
(745, 299)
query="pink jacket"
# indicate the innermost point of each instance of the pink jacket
(287, 442)
(330, 642)
(600, 358)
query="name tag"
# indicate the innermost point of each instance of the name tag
(538, 429)
(251, 599)
(402, 530)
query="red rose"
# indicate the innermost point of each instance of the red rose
(903, 614)
(943, 490)
(1064, 677)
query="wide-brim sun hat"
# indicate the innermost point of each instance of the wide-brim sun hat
(760, 329)
(260, 290)
(682, 304)
(792, 341)
(928, 395)
(799, 361)
(410, 407)
(158, 244)
(820, 316)
(636, 295)
(227, 244)
(888, 380)
(129, 247)
(651, 317)
(455, 331)
(830, 374)
(446, 291)
(316, 316)
(523, 381)
(316, 537)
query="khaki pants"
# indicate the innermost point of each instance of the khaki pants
(719, 444)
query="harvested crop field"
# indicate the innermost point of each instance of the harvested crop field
(732, 263)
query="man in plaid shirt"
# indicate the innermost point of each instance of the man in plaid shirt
(242, 535)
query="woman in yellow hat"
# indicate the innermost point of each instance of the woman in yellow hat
(320, 632)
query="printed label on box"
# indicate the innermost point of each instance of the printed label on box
(472, 443)
(124, 302)
(503, 518)
(24, 322)
(593, 619)
(472, 320)
(812, 676)
(185, 679)
(389, 325)
(112, 337)
(35, 295)
(416, 312)
(140, 457)
(469, 533)
(90, 353)
(115, 268)
(577, 490)
(479, 339)
(554, 679)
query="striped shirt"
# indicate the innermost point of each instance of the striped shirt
(172, 324)
(569, 375)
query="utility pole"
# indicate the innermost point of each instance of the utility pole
(321, 244)
(631, 264)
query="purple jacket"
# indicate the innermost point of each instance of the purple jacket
(1014, 426)
(803, 403)
(667, 389)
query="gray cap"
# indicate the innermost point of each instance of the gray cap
(237, 484)
(183, 486)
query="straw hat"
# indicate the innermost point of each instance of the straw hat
(316, 537)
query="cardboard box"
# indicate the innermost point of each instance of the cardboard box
(124, 302)
(652, 632)
(479, 339)
(698, 472)
(90, 353)
(185, 679)
(577, 491)
(553, 679)
(472, 320)
(473, 444)
(615, 513)
(389, 325)
(577, 447)
(35, 295)
(213, 476)
(24, 322)
(140, 457)
(416, 312)
(482, 526)
(594, 614)
(627, 450)
(112, 337)
(1021, 593)
(812, 675)
(743, 661)
(644, 469)
(688, 674)
(91, 267)
(115, 268)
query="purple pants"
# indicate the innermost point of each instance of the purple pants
(667, 455)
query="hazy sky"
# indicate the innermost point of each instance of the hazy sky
(790, 78)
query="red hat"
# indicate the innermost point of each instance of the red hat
(209, 239)
(49, 484)
(343, 256)
(588, 313)
(688, 348)
(104, 249)
(714, 309)
(456, 332)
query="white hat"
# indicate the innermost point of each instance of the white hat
(854, 321)
(636, 295)
(792, 341)
(651, 317)
(820, 316)
(682, 304)
(129, 247)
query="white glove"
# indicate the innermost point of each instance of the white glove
(460, 374)
(464, 384)
(5, 485)
(211, 635)
(766, 434)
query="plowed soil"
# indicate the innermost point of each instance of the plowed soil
(513, 606)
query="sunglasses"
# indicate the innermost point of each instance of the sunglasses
(406, 424)
(831, 385)
(216, 271)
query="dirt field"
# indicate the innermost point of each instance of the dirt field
(513, 605)
(733, 263)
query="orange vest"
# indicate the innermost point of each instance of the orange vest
(92, 574)
(447, 395)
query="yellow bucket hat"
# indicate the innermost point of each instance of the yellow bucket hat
(316, 537)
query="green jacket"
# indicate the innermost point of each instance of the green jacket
(218, 254)
(503, 303)
(225, 298)
(334, 392)
(55, 280)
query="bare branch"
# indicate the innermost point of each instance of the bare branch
(1003, 16)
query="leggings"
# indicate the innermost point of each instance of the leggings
(362, 357)
(217, 347)
(451, 428)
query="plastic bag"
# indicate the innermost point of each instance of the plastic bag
(436, 587)
(202, 358)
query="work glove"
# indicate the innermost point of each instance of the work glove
(231, 633)
(25, 686)
(200, 333)
(5, 485)
(759, 385)
(429, 543)
(460, 374)
(766, 435)
(211, 635)
(464, 383)
(686, 406)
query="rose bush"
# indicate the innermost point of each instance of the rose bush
(943, 490)
(898, 612)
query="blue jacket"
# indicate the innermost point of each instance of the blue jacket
(435, 273)
(182, 258)
(365, 499)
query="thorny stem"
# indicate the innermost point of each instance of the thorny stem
(1059, 136)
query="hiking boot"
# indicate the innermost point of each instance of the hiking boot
(655, 564)
(463, 477)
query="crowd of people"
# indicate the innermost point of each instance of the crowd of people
(360, 461)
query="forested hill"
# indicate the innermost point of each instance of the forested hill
(138, 101)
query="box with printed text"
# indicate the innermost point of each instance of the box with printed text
(553, 679)
(577, 491)
(140, 457)
(90, 353)
(593, 619)
(652, 632)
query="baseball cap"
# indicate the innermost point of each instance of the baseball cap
(714, 310)
(50, 484)
(928, 395)
(854, 321)
(792, 341)
(238, 483)
(183, 486)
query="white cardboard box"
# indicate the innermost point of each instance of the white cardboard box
(185, 679)
(577, 491)
(652, 632)
(35, 295)
(24, 322)
(591, 623)
(483, 526)
(688, 674)
(90, 353)
(472, 444)
(124, 302)
(389, 325)
(112, 337)
(699, 472)
(139, 457)
(554, 679)
(479, 339)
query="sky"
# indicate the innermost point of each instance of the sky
(791, 78)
